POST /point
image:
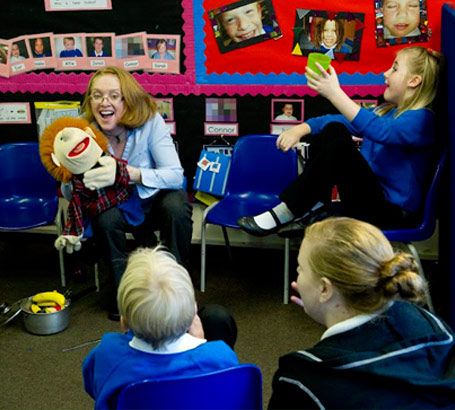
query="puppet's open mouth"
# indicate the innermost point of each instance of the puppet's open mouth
(79, 148)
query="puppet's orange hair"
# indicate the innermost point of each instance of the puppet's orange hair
(46, 145)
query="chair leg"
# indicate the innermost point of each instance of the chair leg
(59, 225)
(286, 271)
(203, 244)
(203, 239)
(226, 241)
(97, 277)
(61, 259)
(415, 254)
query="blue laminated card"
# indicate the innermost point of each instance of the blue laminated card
(212, 173)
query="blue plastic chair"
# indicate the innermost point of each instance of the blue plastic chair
(236, 388)
(259, 173)
(427, 227)
(28, 193)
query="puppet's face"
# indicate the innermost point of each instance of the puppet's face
(76, 149)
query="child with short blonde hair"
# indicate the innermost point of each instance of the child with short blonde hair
(165, 337)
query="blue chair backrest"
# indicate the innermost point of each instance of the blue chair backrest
(22, 172)
(428, 224)
(28, 193)
(258, 166)
(236, 388)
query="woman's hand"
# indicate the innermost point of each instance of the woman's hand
(135, 174)
(102, 176)
(326, 84)
(289, 138)
(296, 299)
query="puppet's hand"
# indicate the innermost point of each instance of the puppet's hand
(103, 176)
(71, 242)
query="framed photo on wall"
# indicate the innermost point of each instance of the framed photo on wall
(259, 24)
(335, 33)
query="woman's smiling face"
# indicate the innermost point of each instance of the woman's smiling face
(110, 109)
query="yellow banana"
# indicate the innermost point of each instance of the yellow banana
(45, 304)
(54, 297)
(35, 308)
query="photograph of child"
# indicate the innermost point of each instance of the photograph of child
(3, 53)
(41, 47)
(70, 49)
(164, 107)
(337, 33)
(18, 51)
(329, 37)
(162, 52)
(98, 46)
(244, 23)
(287, 110)
(401, 18)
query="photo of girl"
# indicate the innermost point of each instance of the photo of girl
(330, 37)
(244, 23)
(328, 32)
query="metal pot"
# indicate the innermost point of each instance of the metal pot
(44, 323)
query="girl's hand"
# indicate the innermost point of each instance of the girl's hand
(296, 299)
(289, 138)
(326, 84)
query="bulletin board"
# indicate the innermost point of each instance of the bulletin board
(266, 68)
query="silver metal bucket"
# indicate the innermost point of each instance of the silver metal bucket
(45, 323)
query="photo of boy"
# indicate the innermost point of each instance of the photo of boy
(400, 21)
(70, 48)
(286, 114)
(95, 47)
(244, 23)
(287, 111)
(401, 18)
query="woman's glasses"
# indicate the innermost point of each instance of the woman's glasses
(112, 97)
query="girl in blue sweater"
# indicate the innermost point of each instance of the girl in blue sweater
(385, 182)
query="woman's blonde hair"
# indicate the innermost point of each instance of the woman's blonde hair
(156, 296)
(361, 263)
(426, 63)
(139, 105)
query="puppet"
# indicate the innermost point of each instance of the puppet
(68, 148)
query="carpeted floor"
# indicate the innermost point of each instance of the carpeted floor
(44, 372)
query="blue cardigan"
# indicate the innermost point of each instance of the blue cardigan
(398, 150)
(113, 364)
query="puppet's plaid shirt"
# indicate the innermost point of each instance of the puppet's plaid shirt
(86, 203)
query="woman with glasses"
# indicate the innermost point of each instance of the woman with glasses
(137, 134)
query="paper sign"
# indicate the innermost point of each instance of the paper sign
(221, 129)
(277, 129)
(15, 113)
(64, 5)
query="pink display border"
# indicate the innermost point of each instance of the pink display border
(185, 84)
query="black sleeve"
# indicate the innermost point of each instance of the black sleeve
(290, 393)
